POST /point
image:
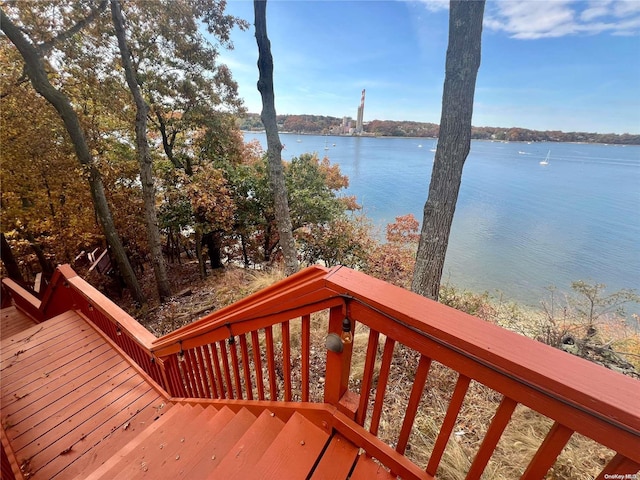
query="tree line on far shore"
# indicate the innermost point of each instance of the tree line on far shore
(324, 125)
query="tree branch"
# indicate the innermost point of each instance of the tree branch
(45, 47)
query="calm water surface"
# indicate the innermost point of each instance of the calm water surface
(519, 226)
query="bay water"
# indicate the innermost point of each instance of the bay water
(519, 226)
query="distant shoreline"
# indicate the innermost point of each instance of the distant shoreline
(436, 138)
(326, 125)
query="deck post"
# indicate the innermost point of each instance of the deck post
(338, 364)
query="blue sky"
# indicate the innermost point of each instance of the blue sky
(546, 65)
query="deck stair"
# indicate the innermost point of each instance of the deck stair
(197, 442)
(86, 392)
(64, 417)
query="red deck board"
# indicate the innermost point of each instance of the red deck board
(367, 469)
(217, 447)
(337, 460)
(29, 411)
(66, 392)
(182, 449)
(13, 321)
(38, 385)
(294, 451)
(40, 334)
(112, 424)
(64, 348)
(247, 450)
(68, 412)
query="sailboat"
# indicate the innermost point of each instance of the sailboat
(546, 159)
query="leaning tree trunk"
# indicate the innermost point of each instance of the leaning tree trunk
(274, 147)
(34, 67)
(144, 157)
(9, 261)
(454, 141)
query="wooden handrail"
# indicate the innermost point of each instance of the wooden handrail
(267, 301)
(474, 345)
(24, 300)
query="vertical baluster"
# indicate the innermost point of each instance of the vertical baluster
(548, 452)
(414, 400)
(206, 351)
(204, 376)
(462, 385)
(286, 360)
(216, 366)
(192, 367)
(245, 366)
(367, 376)
(182, 368)
(257, 363)
(271, 364)
(306, 355)
(491, 438)
(225, 366)
(387, 355)
(174, 378)
(134, 350)
(236, 367)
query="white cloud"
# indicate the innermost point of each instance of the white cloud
(436, 5)
(531, 19)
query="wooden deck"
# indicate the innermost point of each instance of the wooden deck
(74, 407)
(69, 397)
(13, 322)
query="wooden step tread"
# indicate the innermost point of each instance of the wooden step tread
(173, 455)
(337, 460)
(368, 469)
(218, 446)
(107, 469)
(250, 447)
(293, 453)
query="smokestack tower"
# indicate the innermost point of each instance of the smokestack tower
(360, 115)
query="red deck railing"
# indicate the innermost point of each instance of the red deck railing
(260, 349)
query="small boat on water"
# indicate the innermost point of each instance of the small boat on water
(546, 159)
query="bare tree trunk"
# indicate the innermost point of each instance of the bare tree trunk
(202, 263)
(274, 147)
(45, 264)
(144, 157)
(9, 261)
(463, 62)
(34, 67)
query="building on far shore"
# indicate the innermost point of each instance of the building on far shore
(359, 121)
